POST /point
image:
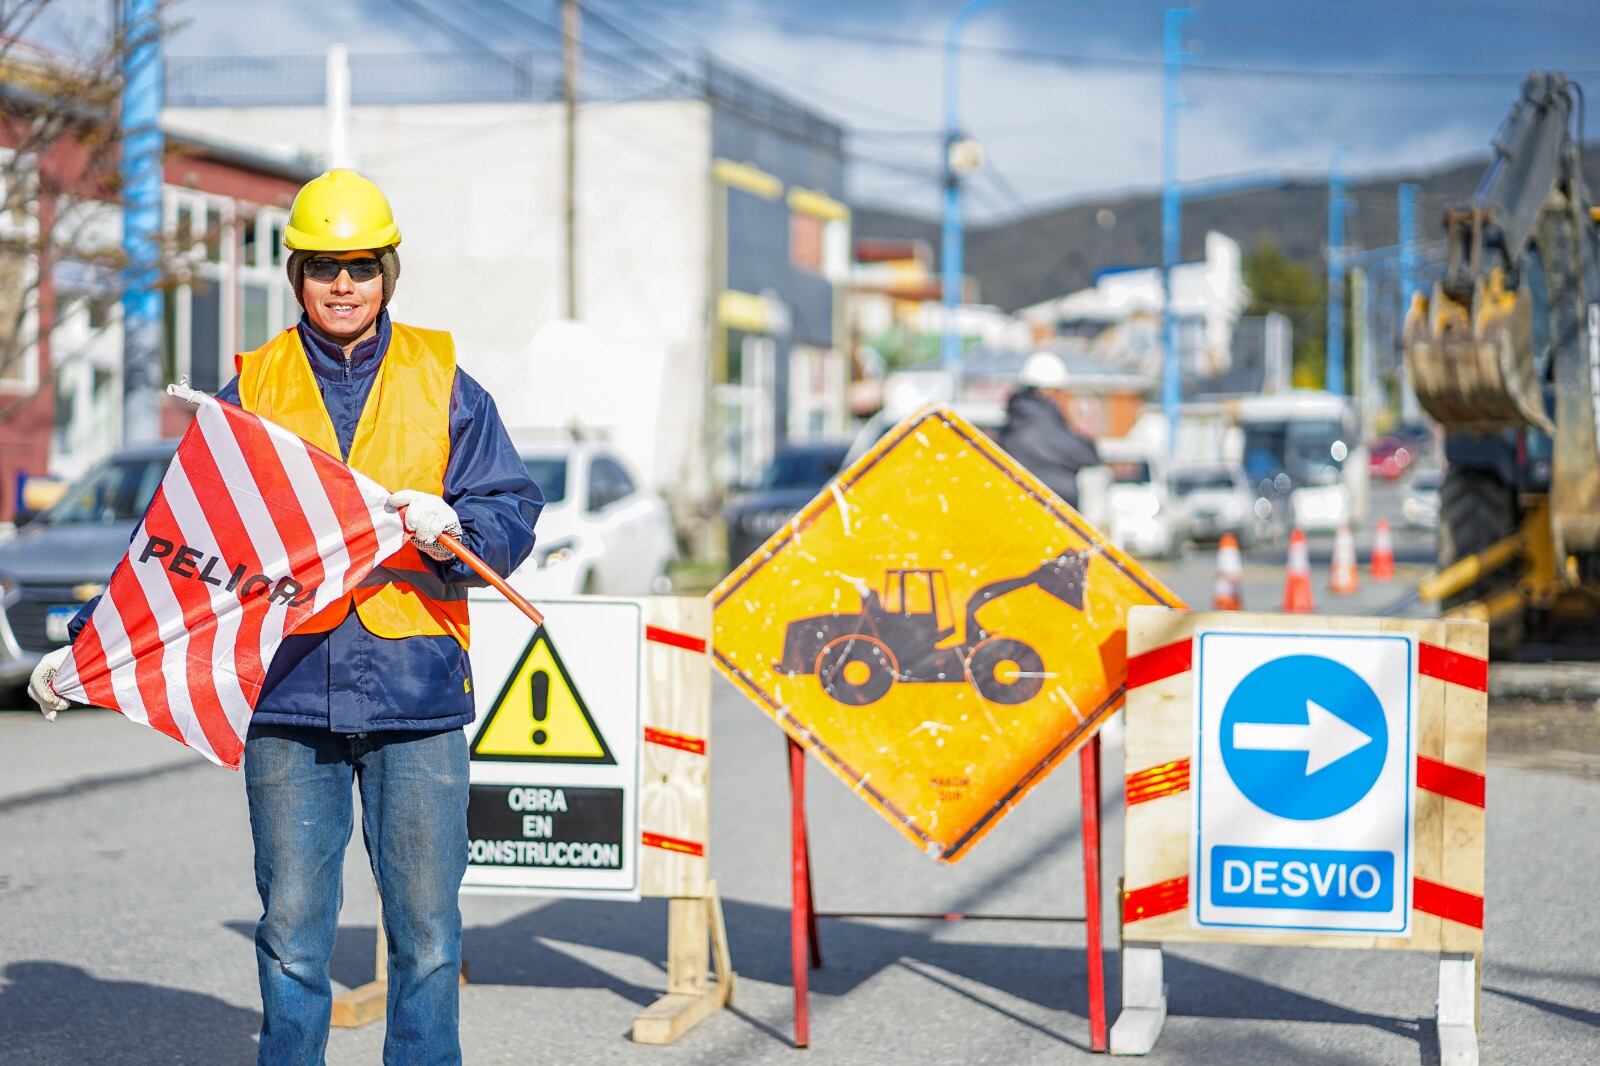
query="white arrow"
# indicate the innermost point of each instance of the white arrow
(1324, 737)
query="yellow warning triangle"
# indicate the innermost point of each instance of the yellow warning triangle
(539, 715)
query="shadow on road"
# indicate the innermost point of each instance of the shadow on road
(527, 951)
(52, 1014)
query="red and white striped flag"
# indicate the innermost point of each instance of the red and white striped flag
(251, 533)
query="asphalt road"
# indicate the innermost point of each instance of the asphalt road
(127, 904)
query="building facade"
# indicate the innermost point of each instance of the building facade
(710, 246)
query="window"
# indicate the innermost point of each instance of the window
(550, 474)
(249, 246)
(805, 243)
(256, 328)
(205, 336)
(608, 483)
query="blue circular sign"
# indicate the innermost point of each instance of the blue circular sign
(1304, 737)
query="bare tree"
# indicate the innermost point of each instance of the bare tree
(59, 185)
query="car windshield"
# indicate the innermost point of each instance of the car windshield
(549, 472)
(1131, 472)
(1200, 480)
(1310, 452)
(115, 491)
(801, 468)
(1427, 481)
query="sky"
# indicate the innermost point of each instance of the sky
(1065, 96)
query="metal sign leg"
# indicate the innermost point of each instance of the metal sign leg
(1089, 775)
(801, 918)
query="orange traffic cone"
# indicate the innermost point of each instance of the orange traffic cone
(1382, 552)
(1343, 580)
(1297, 583)
(1226, 594)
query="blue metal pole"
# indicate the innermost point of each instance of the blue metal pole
(1172, 56)
(1409, 411)
(1334, 379)
(951, 244)
(950, 252)
(142, 152)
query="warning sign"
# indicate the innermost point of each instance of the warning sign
(539, 715)
(936, 626)
(554, 802)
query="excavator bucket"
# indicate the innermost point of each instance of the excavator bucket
(1062, 577)
(1473, 368)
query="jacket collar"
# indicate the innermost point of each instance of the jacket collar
(327, 356)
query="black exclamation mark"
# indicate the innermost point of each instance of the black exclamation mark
(541, 703)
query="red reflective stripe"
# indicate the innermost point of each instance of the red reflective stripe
(1430, 897)
(1167, 779)
(666, 843)
(1455, 782)
(1148, 667)
(1152, 901)
(675, 740)
(1446, 665)
(677, 640)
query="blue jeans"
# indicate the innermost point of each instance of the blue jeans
(414, 821)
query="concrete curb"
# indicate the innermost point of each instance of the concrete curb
(1544, 681)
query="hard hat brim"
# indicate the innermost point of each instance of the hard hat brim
(299, 241)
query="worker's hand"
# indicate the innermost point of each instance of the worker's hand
(426, 516)
(39, 684)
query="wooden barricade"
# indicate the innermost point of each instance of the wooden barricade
(1447, 887)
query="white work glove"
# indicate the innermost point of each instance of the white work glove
(426, 516)
(39, 684)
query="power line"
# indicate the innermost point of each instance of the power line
(864, 35)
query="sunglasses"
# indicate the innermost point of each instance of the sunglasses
(325, 270)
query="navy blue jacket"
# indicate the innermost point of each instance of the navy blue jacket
(348, 679)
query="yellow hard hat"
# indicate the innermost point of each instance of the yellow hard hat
(340, 211)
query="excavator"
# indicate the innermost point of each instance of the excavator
(1505, 355)
(858, 656)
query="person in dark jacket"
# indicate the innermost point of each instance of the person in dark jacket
(374, 691)
(1037, 433)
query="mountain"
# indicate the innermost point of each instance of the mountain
(1058, 250)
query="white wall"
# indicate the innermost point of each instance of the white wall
(478, 192)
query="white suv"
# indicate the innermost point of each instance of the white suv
(601, 532)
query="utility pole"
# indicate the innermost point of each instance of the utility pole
(959, 155)
(1334, 377)
(1172, 57)
(1409, 411)
(571, 26)
(336, 95)
(1361, 383)
(142, 150)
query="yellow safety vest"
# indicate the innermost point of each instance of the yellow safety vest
(402, 441)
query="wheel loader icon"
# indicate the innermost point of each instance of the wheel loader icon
(906, 635)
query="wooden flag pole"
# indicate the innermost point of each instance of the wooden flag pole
(481, 568)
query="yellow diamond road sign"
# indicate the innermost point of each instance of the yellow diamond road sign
(937, 627)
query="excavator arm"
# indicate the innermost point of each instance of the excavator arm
(1510, 338)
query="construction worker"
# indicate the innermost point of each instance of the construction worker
(1038, 432)
(375, 690)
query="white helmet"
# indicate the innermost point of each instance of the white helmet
(1043, 370)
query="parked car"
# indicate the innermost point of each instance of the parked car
(65, 555)
(1420, 508)
(795, 475)
(602, 532)
(1389, 457)
(1216, 500)
(1146, 517)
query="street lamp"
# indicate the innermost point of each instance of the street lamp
(960, 155)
